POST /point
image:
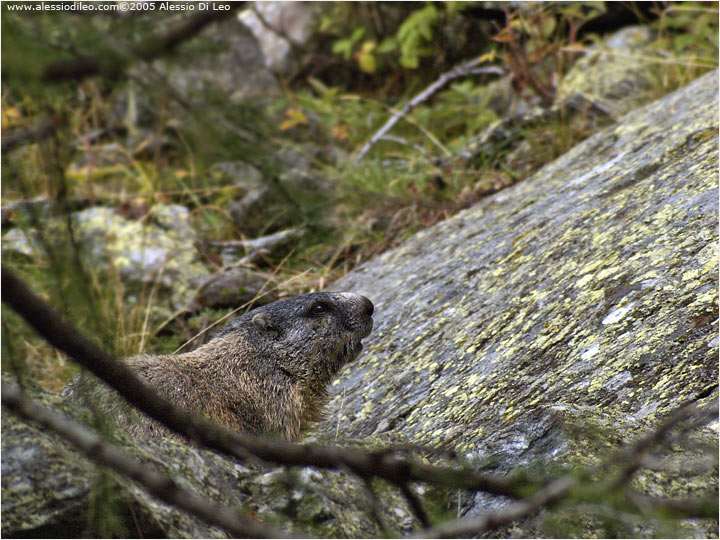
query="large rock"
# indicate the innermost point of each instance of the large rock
(554, 322)
(213, 75)
(158, 249)
(273, 22)
(49, 490)
(224, 59)
(613, 77)
(584, 297)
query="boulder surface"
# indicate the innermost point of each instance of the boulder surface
(583, 299)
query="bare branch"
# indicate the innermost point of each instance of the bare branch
(14, 138)
(295, 47)
(560, 488)
(461, 70)
(633, 458)
(382, 464)
(415, 503)
(704, 507)
(375, 507)
(464, 527)
(153, 47)
(159, 485)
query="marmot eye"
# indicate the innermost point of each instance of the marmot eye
(318, 308)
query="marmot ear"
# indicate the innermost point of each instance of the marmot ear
(263, 322)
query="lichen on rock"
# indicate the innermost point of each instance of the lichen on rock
(546, 327)
(587, 293)
(158, 249)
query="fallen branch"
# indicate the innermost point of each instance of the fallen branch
(462, 70)
(159, 485)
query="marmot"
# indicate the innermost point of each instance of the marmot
(267, 372)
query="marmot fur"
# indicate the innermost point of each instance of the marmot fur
(267, 372)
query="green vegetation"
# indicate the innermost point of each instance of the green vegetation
(126, 138)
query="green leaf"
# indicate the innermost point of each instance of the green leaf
(548, 27)
(682, 41)
(419, 22)
(388, 45)
(366, 58)
(454, 7)
(366, 61)
(464, 87)
(345, 46)
(357, 34)
(409, 62)
(320, 87)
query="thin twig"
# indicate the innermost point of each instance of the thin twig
(153, 47)
(117, 375)
(157, 484)
(375, 507)
(16, 137)
(632, 457)
(400, 140)
(699, 507)
(464, 527)
(415, 504)
(148, 308)
(295, 47)
(460, 70)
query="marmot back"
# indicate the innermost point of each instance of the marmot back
(267, 372)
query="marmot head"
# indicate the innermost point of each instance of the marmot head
(308, 337)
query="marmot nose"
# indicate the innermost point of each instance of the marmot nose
(367, 306)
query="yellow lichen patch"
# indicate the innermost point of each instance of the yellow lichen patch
(366, 410)
(606, 272)
(587, 278)
(596, 384)
(450, 391)
(460, 340)
(707, 298)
